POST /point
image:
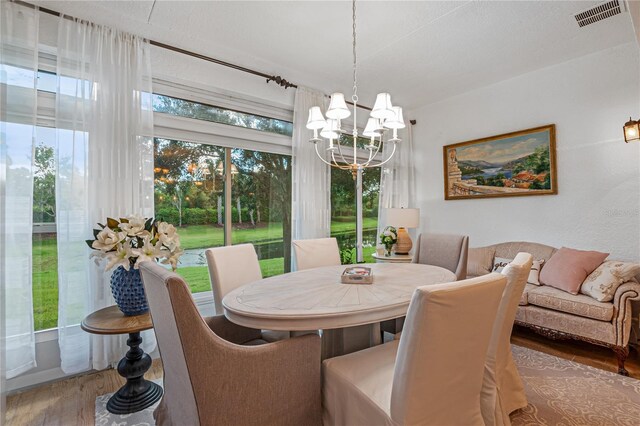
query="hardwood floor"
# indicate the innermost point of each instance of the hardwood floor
(72, 401)
(67, 402)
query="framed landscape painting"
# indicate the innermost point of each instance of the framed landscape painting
(509, 165)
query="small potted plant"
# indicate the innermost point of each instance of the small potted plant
(125, 244)
(388, 238)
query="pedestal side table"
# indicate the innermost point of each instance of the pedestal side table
(137, 393)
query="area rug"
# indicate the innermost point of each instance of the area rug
(560, 392)
(140, 418)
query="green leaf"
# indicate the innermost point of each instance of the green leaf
(101, 225)
(89, 243)
(112, 223)
(95, 233)
(148, 224)
(124, 220)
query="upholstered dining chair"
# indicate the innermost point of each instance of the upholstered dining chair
(210, 379)
(433, 374)
(231, 267)
(502, 388)
(317, 252)
(444, 250)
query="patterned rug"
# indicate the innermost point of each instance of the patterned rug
(560, 392)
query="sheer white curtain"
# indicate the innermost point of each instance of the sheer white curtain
(311, 191)
(18, 79)
(397, 179)
(104, 169)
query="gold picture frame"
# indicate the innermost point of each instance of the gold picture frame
(513, 164)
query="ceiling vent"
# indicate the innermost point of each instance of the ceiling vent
(600, 12)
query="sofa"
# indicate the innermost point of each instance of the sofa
(560, 315)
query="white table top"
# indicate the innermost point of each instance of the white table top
(316, 299)
(397, 258)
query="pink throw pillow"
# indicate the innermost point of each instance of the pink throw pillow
(568, 268)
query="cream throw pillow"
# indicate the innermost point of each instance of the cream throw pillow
(534, 275)
(602, 283)
(480, 261)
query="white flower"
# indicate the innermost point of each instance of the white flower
(173, 258)
(121, 257)
(388, 233)
(168, 236)
(149, 252)
(107, 239)
(135, 226)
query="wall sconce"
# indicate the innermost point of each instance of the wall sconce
(631, 130)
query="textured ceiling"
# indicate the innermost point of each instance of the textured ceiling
(420, 51)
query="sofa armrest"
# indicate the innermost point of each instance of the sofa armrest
(625, 294)
(231, 332)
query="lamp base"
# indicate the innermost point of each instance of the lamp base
(404, 243)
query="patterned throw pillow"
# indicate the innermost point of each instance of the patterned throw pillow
(602, 283)
(499, 263)
(534, 275)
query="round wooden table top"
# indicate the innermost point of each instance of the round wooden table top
(111, 320)
(316, 299)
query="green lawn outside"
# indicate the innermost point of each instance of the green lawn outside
(45, 275)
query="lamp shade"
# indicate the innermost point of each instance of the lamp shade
(397, 122)
(372, 129)
(316, 120)
(631, 130)
(382, 109)
(402, 218)
(338, 107)
(330, 131)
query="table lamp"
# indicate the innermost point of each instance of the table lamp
(402, 219)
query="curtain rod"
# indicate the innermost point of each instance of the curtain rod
(275, 78)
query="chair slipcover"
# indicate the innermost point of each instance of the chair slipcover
(433, 374)
(209, 379)
(502, 388)
(447, 251)
(315, 253)
(231, 267)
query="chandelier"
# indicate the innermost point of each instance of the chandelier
(384, 117)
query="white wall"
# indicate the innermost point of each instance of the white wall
(598, 204)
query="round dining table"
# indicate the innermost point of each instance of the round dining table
(316, 299)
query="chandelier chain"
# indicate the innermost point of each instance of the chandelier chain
(354, 98)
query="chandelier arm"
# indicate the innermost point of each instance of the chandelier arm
(333, 157)
(371, 157)
(320, 156)
(387, 160)
(344, 160)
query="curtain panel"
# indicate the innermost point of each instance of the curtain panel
(104, 169)
(19, 49)
(311, 187)
(397, 179)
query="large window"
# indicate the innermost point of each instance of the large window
(190, 193)
(343, 212)
(190, 183)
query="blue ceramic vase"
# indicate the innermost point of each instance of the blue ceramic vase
(128, 291)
